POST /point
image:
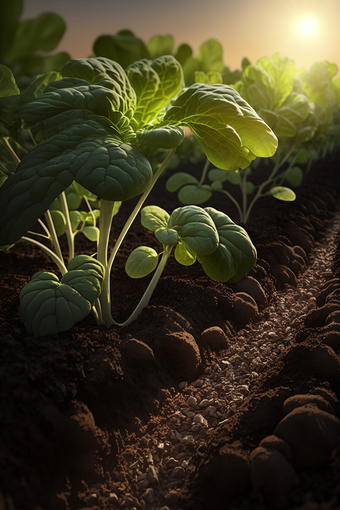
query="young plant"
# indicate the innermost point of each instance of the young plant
(94, 123)
(224, 249)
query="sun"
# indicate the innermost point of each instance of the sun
(307, 27)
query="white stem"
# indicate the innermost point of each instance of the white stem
(69, 233)
(52, 233)
(150, 288)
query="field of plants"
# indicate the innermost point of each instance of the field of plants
(169, 276)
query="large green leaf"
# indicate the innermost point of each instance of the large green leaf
(89, 153)
(49, 306)
(227, 128)
(74, 93)
(63, 121)
(155, 82)
(235, 254)
(103, 70)
(42, 33)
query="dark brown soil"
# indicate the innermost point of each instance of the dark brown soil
(71, 402)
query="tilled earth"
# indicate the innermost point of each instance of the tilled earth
(218, 396)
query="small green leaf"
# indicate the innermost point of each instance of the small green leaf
(184, 255)
(166, 236)
(194, 194)
(59, 222)
(91, 233)
(154, 217)
(216, 174)
(294, 176)
(216, 185)
(116, 207)
(141, 262)
(76, 218)
(83, 192)
(282, 193)
(302, 156)
(249, 188)
(178, 180)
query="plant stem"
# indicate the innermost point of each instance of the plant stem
(105, 222)
(205, 171)
(234, 202)
(59, 262)
(244, 194)
(69, 233)
(264, 184)
(105, 297)
(137, 208)
(8, 146)
(150, 288)
(52, 233)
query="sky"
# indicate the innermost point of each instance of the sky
(245, 28)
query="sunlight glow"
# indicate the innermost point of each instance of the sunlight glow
(307, 27)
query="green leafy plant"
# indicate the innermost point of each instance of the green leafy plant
(223, 249)
(94, 123)
(268, 87)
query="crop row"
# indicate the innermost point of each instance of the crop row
(82, 136)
